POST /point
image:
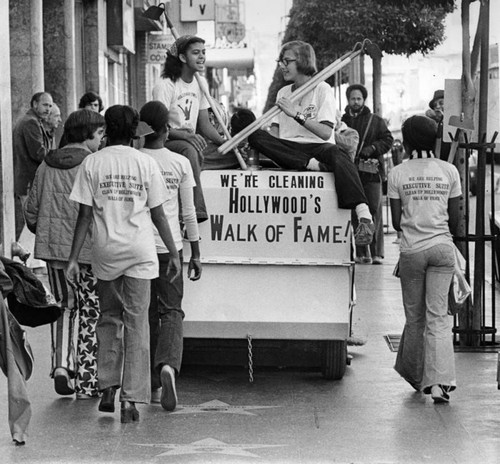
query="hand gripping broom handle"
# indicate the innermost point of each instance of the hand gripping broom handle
(301, 91)
(206, 92)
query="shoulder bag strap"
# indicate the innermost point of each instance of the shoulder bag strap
(361, 145)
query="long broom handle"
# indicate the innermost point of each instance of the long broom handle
(301, 91)
(206, 92)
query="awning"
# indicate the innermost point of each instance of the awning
(231, 58)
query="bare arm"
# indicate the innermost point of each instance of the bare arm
(453, 214)
(320, 129)
(189, 217)
(196, 140)
(396, 213)
(206, 128)
(161, 223)
(82, 226)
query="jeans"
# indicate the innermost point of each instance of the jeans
(293, 155)
(123, 337)
(425, 356)
(165, 321)
(196, 159)
(373, 192)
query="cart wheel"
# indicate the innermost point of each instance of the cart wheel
(334, 359)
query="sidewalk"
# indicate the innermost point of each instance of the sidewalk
(371, 416)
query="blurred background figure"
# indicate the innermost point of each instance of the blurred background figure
(91, 101)
(436, 106)
(375, 140)
(52, 123)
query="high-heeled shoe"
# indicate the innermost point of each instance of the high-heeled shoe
(439, 395)
(128, 413)
(107, 403)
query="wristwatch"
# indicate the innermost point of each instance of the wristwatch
(300, 118)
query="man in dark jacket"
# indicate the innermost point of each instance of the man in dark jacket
(30, 144)
(375, 139)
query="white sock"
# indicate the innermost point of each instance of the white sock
(363, 212)
(313, 165)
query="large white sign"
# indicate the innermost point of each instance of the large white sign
(271, 216)
(197, 10)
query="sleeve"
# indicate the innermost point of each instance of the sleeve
(188, 211)
(32, 205)
(82, 191)
(392, 187)
(455, 185)
(383, 139)
(157, 190)
(34, 140)
(164, 91)
(326, 104)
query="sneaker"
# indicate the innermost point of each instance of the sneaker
(156, 395)
(62, 383)
(168, 398)
(377, 260)
(364, 232)
(439, 395)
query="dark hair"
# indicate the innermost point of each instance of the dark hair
(81, 125)
(419, 133)
(359, 87)
(155, 114)
(306, 58)
(173, 65)
(121, 123)
(241, 118)
(90, 97)
(36, 97)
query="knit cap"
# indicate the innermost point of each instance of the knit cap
(420, 132)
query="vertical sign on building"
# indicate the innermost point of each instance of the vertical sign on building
(197, 10)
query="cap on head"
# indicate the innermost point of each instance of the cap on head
(420, 132)
(437, 95)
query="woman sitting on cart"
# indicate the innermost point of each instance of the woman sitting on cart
(302, 135)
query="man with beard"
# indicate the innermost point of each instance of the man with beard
(375, 140)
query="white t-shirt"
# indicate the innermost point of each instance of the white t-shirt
(424, 186)
(178, 175)
(121, 184)
(184, 101)
(318, 105)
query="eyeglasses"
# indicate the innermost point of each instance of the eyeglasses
(285, 61)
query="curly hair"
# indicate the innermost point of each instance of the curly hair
(173, 65)
(359, 87)
(121, 123)
(90, 97)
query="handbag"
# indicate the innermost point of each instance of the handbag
(369, 165)
(460, 289)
